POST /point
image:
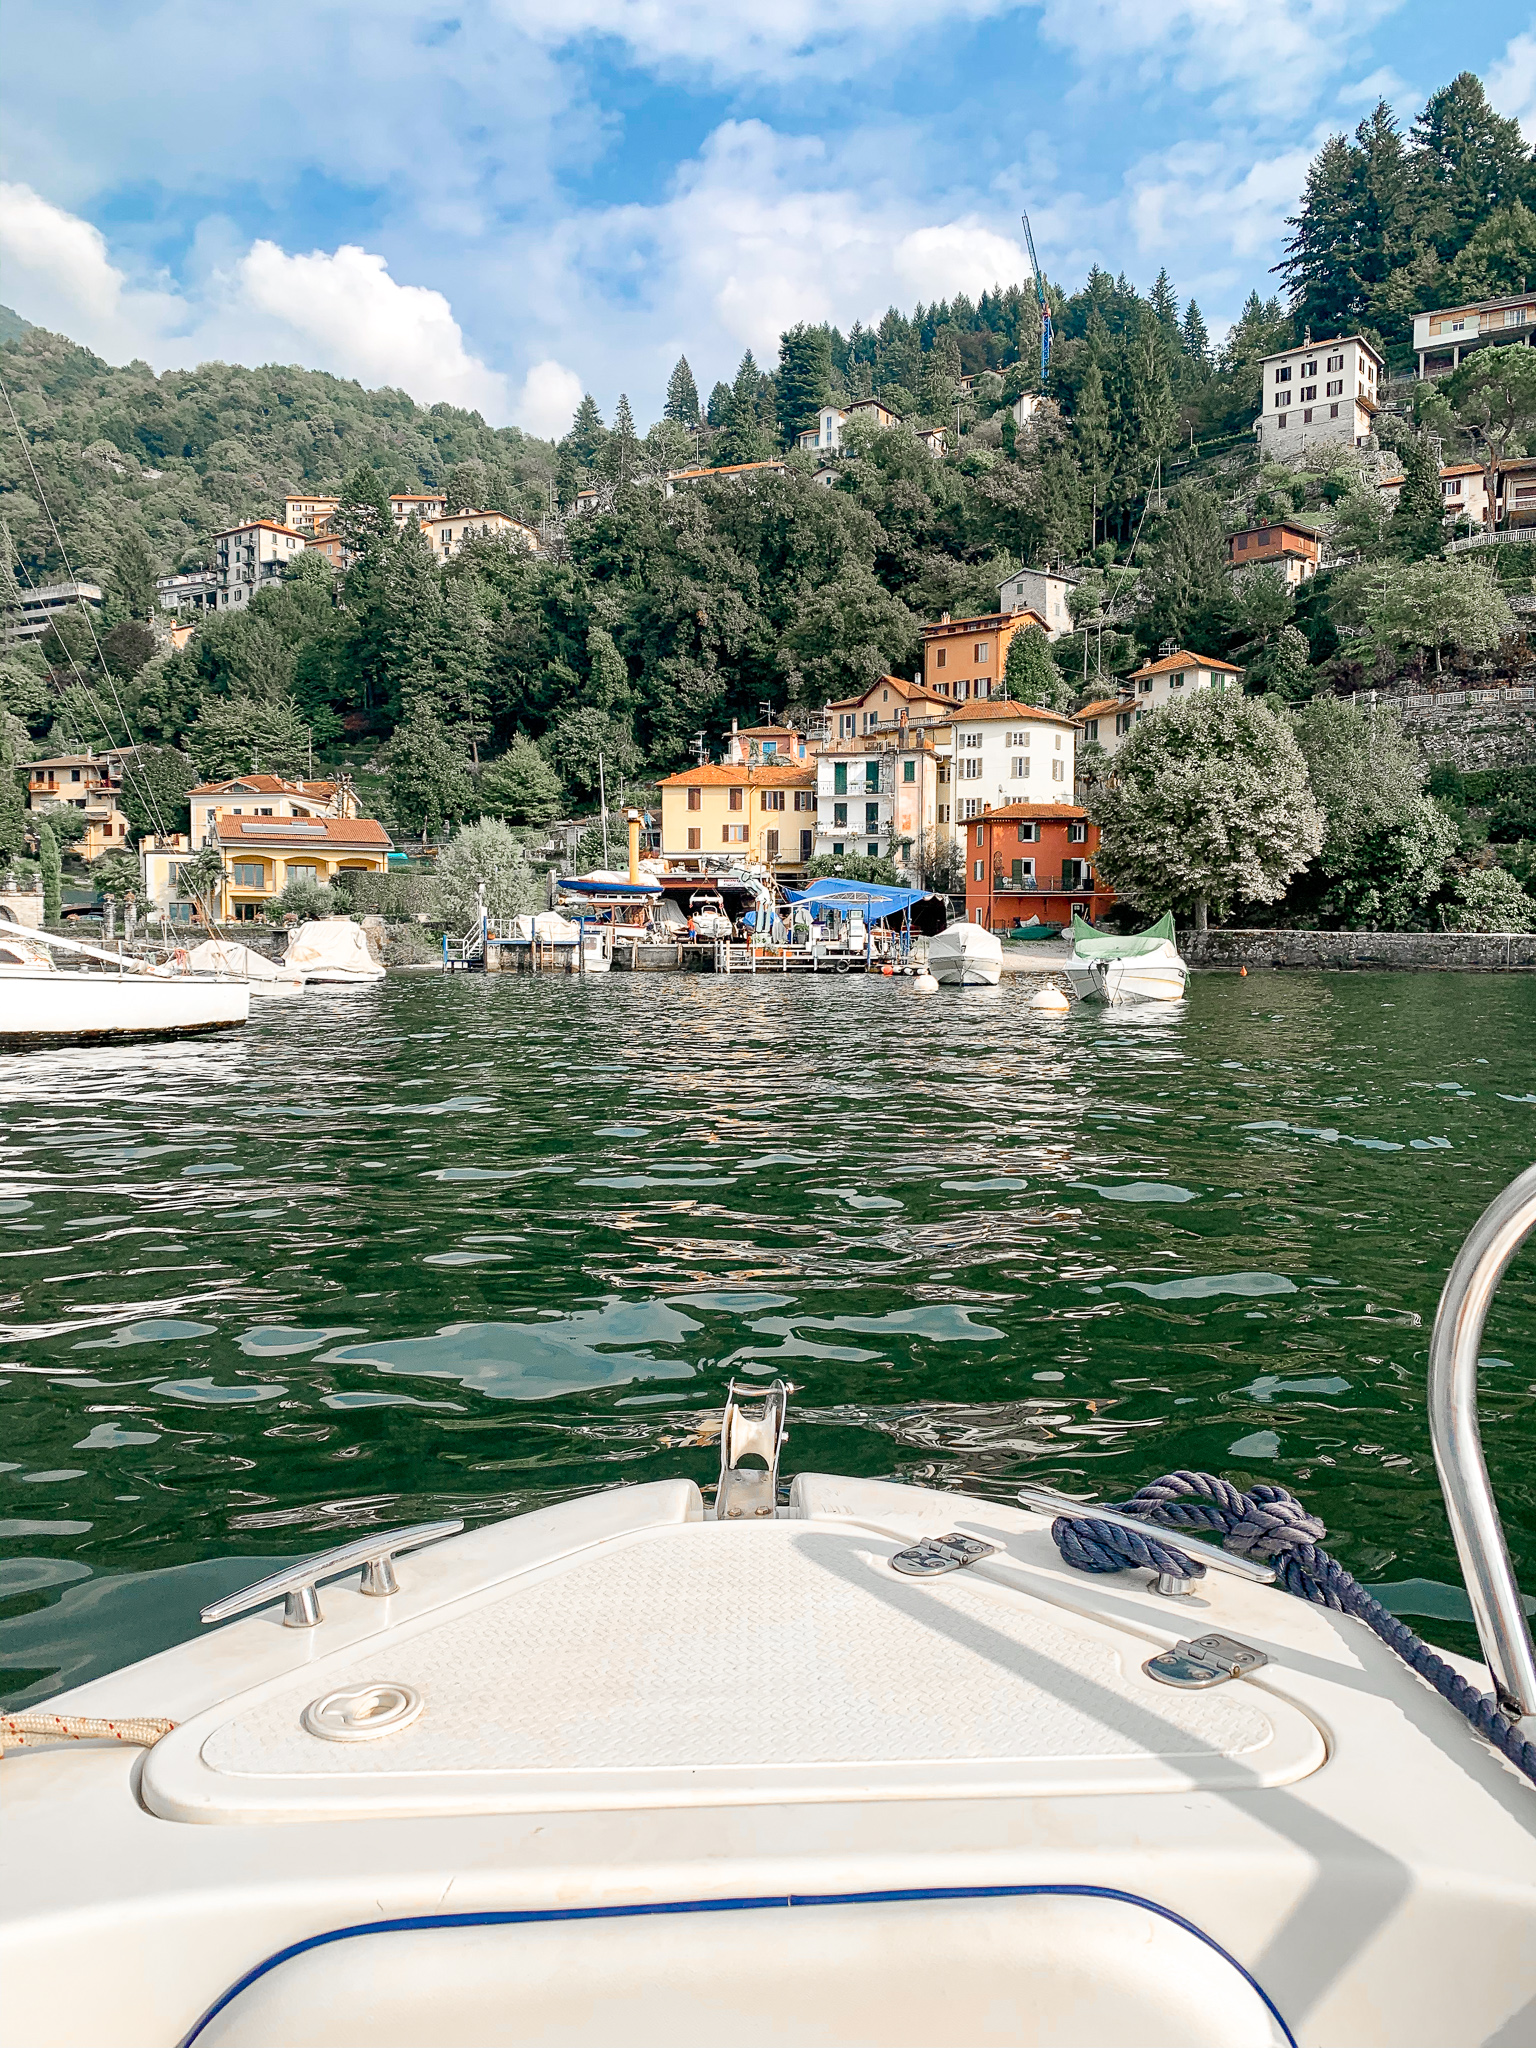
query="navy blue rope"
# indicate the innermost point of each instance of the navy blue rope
(418, 1923)
(1271, 1525)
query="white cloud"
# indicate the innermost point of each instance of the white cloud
(548, 399)
(1193, 200)
(1512, 83)
(341, 312)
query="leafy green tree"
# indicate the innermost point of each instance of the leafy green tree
(1493, 395)
(1283, 668)
(1417, 525)
(10, 589)
(52, 870)
(1364, 770)
(486, 852)
(1394, 875)
(682, 396)
(249, 735)
(300, 898)
(363, 518)
(579, 738)
(156, 785)
(468, 488)
(127, 648)
(23, 692)
(1500, 258)
(116, 874)
(1030, 674)
(1207, 804)
(428, 779)
(520, 786)
(1438, 604)
(1490, 900)
(1183, 594)
(805, 379)
(855, 867)
(13, 810)
(201, 879)
(130, 591)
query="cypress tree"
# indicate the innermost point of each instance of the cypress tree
(13, 816)
(10, 589)
(53, 871)
(1417, 526)
(682, 396)
(621, 457)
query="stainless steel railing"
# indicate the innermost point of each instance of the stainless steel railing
(1454, 1343)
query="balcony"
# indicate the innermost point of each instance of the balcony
(1073, 884)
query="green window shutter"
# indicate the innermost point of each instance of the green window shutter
(909, 771)
(1018, 871)
(840, 778)
(871, 775)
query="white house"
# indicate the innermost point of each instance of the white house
(1149, 688)
(878, 795)
(827, 432)
(1001, 753)
(1463, 492)
(1041, 592)
(1443, 336)
(194, 590)
(1325, 391)
(252, 557)
(447, 535)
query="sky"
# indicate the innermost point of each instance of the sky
(504, 203)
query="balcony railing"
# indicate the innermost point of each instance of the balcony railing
(1044, 885)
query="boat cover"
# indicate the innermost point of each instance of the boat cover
(609, 882)
(331, 945)
(549, 928)
(228, 956)
(1092, 945)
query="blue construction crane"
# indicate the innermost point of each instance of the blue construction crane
(1045, 309)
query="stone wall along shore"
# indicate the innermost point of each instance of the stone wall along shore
(1447, 952)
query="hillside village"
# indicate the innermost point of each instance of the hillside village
(916, 583)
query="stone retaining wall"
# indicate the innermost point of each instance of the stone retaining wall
(1467, 952)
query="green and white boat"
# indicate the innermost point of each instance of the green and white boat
(1142, 967)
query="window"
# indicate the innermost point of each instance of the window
(1309, 369)
(1028, 831)
(805, 800)
(943, 814)
(871, 720)
(839, 815)
(1334, 363)
(944, 771)
(971, 808)
(982, 652)
(1018, 739)
(970, 739)
(1333, 412)
(1019, 767)
(909, 771)
(846, 721)
(1283, 374)
(938, 659)
(695, 839)
(735, 800)
(980, 871)
(74, 774)
(695, 799)
(874, 850)
(249, 874)
(1451, 487)
(1021, 871)
(771, 845)
(1058, 771)
(1279, 419)
(1306, 418)
(871, 775)
(871, 817)
(733, 835)
(1124, 721)
(839, 778)
(1077, 834)
(1335, 388)
(1308, 391)
(302, 871)
(970, 771)
(1091, 729)
(1146, 691)
(807, 840)
(773, 800)
(837, 846)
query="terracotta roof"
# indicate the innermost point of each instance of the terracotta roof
(272, 526)
(905, 690)
(1102, 706)
(1461, 469)
(70, 761)
(1005, 708)
(992, 619)
(264, 785)
(1183, 659)
(1043, 812)
(297, 832)
(765, 732)
(678, 476)
(721, 774)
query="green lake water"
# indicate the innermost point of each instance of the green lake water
(470, 1247)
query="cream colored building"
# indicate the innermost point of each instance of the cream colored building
(88, 783)
(261, 857)
(1324, 392)
(999, 752)
(448, 534)
(268, 796)
(762, 812)
(252, 557)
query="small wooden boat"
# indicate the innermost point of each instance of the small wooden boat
(1142, 967)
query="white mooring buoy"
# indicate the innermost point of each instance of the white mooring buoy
(924, 984)
(1049, 998)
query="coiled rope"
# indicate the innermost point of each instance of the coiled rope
(27, 1731)
(1271, 1525)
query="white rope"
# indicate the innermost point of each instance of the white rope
(27, 1731)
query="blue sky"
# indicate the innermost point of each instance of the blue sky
(505, 202)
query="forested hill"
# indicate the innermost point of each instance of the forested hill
(657, 618)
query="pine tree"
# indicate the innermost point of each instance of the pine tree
(1197, 341)
(131, 580)
(1470, 162)
(804, 380)
(621, 457)
(53, 872)
(363, 518)
(1164, 302)
(1030, 674)
(719, 405)
(1090, 432)
(743, 438)
(588, 436)
(1321, 256)
(682, 396)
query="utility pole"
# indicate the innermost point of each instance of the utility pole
(602, 799)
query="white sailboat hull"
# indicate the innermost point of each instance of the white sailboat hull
(38, 1005)
(1160, 977)
(966, 956)
(659, 1757)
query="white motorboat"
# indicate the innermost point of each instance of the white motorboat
(100, 995)
(587, 1774)
(332, 949)
(1143, 967)
(967, 955)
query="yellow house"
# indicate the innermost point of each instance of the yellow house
(262, 856)
(764, 812)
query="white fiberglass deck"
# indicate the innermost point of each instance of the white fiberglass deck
(703, 1662)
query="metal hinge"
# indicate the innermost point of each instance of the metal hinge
(751, 1492)
(936, 1554)
(1208, 1660)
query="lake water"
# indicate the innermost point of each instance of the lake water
(470, 1247)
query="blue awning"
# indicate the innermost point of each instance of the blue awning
(872, 899)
